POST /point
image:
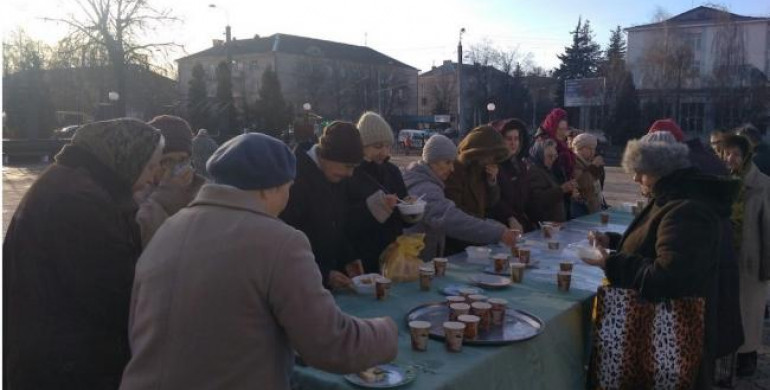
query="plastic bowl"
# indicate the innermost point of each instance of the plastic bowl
(412, 212)
(588, 253)
(478, 254)
(364, 284)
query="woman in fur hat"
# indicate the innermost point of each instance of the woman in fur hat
(670, 246)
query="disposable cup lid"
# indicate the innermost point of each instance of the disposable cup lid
(419, 324)
(481, 305)
(454, 325)
(468, 318)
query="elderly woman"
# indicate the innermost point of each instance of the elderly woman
(473, 183)
(669, 248)
(513, 177)
(372, 194)
(545, 193)
(69, 258)
(751, 223)
(588, 172)
(442, 217)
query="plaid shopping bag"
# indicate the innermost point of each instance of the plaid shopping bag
(643, 345)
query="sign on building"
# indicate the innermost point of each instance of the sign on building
(441, 118)
(584, 92)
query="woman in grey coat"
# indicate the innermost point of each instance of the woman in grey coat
(442, 217)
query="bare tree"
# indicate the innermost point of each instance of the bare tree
(117, 26)
(443, 93)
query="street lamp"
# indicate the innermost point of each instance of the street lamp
(490, 109)
(460, 83)
(307, 107)
(113, 96)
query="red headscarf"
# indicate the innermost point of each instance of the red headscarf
(566, 160)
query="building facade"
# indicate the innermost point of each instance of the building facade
(340, 81)
(706, 67)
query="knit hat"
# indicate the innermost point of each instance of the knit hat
(374, 129)
(655, 158)
(551, 122)
(480, 143)
(670, 126)
(438, 148)
(122, 145)
(659, 136)
(252, 161)
(583, 140)
(176, 131)
(341, 142)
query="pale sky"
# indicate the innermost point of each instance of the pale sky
(420, 33)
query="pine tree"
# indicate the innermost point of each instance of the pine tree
(626, 118)
(273, 113)
(226, 120)
(197, 98)
(580, 60)
(616, 50)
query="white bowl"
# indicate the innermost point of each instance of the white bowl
(556, 226)
(412, 212)
(478, 254)
(361, 285)
(587, 252)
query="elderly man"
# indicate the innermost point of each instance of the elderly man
(226, 292)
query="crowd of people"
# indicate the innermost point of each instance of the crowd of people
(145, 257)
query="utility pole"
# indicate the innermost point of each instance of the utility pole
(460, 123)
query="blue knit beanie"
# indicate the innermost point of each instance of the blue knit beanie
(252, 161)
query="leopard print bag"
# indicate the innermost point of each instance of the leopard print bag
(643, 345)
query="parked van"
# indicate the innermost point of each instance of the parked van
(417, 137)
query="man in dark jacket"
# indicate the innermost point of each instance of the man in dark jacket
(317, 202)
(68, 261)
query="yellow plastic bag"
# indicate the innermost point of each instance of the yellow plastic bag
(400, 261)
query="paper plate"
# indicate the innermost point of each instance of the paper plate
(394, 376)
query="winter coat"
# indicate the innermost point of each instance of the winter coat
(210, 316)
(442, 217)
(754, 258)
(163, 202)
(318, 208)
(762, 158)
(671, 250)
(513, 180)
(705, 159)
(68, 266)
(469, 189)
(545, 194)
(203, 146)
(587, 177)
(368, 236)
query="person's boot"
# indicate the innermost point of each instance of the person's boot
(746, 364)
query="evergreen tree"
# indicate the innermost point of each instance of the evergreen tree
(626, 118)
(613, 69)
(226, 120)
(580, 60)
(616, 50)
(273, 114)
(27, 103)
(197, 98)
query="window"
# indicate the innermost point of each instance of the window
(694, 40)
(254, 65)
(692, 117)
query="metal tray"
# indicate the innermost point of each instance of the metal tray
(519, 325)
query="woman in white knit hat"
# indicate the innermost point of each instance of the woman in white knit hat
(373, 192)
(442, 217)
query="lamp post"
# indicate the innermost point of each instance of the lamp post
(490, 111)
(227, 31)
(113, 97)
(460, 83)
(307, 107)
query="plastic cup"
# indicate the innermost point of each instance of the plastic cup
(499, 306)
(381, 288)
(500, 262)
(458, 309)
(605, 217)
(465, 292)
(471, 326)
(419, 331)
(566, 266)
(477, 298)
(439, 263)
(517, 272)
(426, 275)
(454, 299)
(524, 256)
(484, 311)
(563, 280)
(453, 334)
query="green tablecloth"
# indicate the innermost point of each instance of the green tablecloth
(556, 359)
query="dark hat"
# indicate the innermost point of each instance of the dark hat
(480, 143)
(341, 142)
(252, 161)
(176, 131)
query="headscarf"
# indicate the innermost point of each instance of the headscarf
(122, 145)
(566, 159)
(504, 125)
(537, 151)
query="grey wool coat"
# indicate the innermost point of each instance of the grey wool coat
(442, 217)
(225, 294)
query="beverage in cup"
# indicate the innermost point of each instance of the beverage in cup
(381, 288)
(553, 245)
(605, 217)
(419, 331)
(454, 299)
(498, 310)
(483, 311)
(548, 231)
(563, 280)
(500, 262)
(426, 275)
(524, 256)
(566, 266)
(440, 265)
(458, 309)
(471, 326)
(453, 333)
(517, 272)
(477, 298)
